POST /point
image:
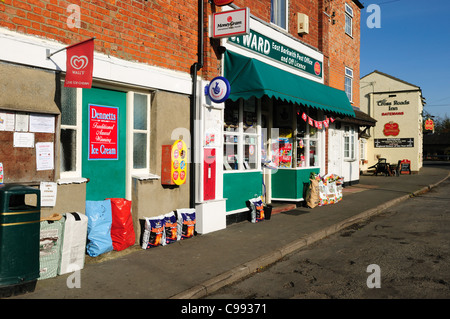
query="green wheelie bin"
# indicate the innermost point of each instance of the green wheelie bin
(20, 213)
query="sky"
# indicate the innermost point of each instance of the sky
(412, 44)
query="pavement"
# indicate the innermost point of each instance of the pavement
(196, 267)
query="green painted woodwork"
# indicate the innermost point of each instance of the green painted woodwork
(238, 188)
(289, 183)
(106, 177)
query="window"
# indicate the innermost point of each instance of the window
(241, 135)
(141, 132)
(348, 19)
(349, 142)
(307, 142)
(362, 148)
(70, 140)
(349, 83)
(279, 13)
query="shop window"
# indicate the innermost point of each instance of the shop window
(279, 13)
(241, 135)
(307, 141)
(141, 132)
(348, 20)
(70, 140)
(349, 142)
(349, 83)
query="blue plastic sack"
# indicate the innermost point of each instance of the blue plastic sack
(99, 227)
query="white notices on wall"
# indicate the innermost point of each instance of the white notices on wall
(42, 123)
(22, 122)
(7, 121)
(48, 193)
(44, 156)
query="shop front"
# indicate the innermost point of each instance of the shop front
(94, 143)
(275, 118)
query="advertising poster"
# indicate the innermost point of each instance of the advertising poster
(103, 132)
(79, 64)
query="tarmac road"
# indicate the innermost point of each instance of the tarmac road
(410, 243)
(194, 268)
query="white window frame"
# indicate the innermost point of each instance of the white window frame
(306, 142)
(348, 88)
(130, 135)
(274, 10)
(363, 148)
(350, 139)
(78, 128)
(241, 134)
(348, 20)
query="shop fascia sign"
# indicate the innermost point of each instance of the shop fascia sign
(230, 23)
(270, 48)
(392, 106)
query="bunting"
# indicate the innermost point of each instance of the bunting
(317, 124)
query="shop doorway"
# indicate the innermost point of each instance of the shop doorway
(104, 143)
(335, 152)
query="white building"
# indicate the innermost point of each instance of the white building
(397, 106)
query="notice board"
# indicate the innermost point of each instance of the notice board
(27, 147)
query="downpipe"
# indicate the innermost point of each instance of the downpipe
(193, 111)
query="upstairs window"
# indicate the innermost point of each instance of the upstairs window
(279, 13)
(348, 19)
(349, 83)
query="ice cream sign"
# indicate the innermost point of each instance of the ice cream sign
(173, 165)
(179, 152)
(103, 133)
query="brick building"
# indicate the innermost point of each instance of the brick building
(152, 61)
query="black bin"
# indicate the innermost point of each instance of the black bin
(20, 212)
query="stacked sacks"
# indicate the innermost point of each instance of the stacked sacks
(324, 190)
(169, 228)
(51, 232)
(314, 191)
(257, 210)
(330, 189)
(110, 226)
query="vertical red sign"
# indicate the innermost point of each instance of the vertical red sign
(103, 132)
(79, 64)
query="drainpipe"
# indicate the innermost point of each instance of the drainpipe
(194, 69)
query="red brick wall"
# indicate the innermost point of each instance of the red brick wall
(343, 50)
(164, 32)
(261, 9)
(158, 32)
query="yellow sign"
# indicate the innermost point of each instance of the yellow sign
(179, 157)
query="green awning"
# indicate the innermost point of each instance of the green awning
(250, 77)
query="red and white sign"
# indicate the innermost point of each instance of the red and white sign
(221, 3)
(391, 128)
(230, 23)
(429, 125)
(79, 64)
(103, 132)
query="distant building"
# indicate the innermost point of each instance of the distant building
(397, 106)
